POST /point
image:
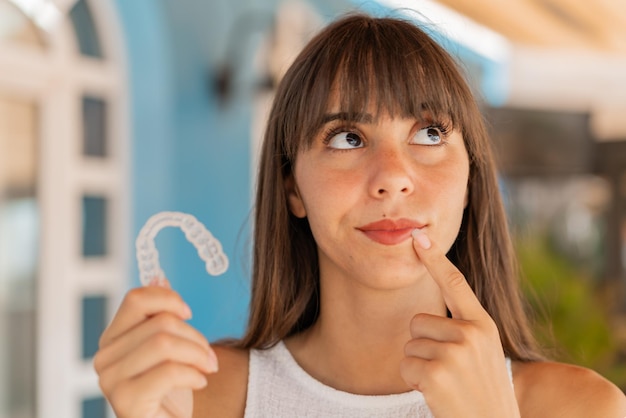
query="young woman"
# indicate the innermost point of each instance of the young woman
(384, 283)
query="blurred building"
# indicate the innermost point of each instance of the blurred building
(113, 110)
(561, 123)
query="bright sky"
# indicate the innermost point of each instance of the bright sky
(455, 26)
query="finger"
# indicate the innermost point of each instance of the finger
(178, 404)
(160, 349)
(436, 328)
(154, 385)
(162, 379)
(425, 375)
(424, 348)
(413, 371)
(160, 323)
(457, 293)
(141, 303)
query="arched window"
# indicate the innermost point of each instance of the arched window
(64, 211)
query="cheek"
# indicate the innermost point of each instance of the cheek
(324, 189)
(452, 200)
(448, 208)
(448, 181)
(456, 194)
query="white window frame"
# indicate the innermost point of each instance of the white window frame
(56, 80)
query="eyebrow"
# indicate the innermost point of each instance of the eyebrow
(350, 117)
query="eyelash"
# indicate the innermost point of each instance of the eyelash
(334, 130)
(329, 133)
(444, 128)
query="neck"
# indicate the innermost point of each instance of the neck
(357, 343)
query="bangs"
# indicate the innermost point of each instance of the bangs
(381, 65)
(393, 71)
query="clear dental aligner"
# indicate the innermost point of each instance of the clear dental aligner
(209, 248)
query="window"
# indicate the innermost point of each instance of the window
(63, 204)
(17, 28)
(18, 255)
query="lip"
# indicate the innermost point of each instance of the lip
(389, 231)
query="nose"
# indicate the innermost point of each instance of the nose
(391, 174)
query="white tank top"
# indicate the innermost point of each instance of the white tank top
(279, 388)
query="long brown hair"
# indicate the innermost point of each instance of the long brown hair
(396, 66)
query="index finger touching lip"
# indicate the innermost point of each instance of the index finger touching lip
(457, 293)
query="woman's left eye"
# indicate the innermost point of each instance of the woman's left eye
(430, 135)
(345, 140)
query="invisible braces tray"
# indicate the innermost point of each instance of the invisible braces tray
(209, 248)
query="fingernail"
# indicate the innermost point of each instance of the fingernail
(213, 367)
(421, 238)
(212, 363)
(186, 311)
(202, 382)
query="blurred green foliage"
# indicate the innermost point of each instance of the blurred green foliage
(571, 320)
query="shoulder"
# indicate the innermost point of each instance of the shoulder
(560, 390)
(226, 390)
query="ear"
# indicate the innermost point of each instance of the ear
(296, 205)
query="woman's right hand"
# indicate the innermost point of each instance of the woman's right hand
(150, 360)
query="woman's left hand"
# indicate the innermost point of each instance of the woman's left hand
(457, 363)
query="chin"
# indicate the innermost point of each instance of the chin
(389, 277)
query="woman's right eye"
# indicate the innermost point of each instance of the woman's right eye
(345, 140)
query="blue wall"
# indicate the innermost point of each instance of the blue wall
(188, 156)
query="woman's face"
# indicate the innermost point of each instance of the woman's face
(365, 184)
